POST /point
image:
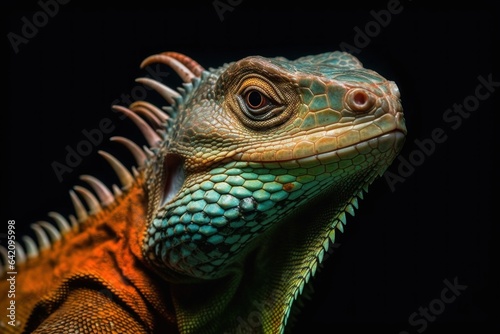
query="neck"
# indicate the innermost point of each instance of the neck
(257, 293)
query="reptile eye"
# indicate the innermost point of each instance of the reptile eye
(255, 99)
(260, 102)
(257, 105)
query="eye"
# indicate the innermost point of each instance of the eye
(255, 99)
(257, 105)
(260, 102)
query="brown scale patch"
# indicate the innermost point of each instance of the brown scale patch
(288, 187)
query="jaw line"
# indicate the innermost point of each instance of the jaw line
(397, 136)
(395, 126)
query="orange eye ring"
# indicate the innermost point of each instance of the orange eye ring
(255, 100)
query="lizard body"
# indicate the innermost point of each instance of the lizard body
(249, 173)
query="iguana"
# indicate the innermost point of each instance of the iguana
(247, 175)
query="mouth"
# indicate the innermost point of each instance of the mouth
(323, 141)
(391, 140)
(387, 131)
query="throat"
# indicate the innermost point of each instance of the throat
(259, 292)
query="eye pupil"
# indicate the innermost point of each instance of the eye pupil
(255, 99)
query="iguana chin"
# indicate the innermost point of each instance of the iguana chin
(248, 175)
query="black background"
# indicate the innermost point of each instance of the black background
(403, 242)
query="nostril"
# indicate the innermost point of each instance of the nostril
(360, 100)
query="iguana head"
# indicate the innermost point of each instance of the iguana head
(257, 165)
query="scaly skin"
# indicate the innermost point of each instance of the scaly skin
(229, 212)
